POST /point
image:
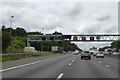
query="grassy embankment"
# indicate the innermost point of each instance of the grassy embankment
(22, 55)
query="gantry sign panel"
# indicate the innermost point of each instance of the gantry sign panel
(97, 37)
(73, 37)
(44, 38)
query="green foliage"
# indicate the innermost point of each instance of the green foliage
(11, 49)
(14, 42)
(20, 56)
(70, 46)
(17, 43)
(4, 29)
(0, 34)
(57, 33)
(115, 44)
(6, 38)
(34, 33)
(8, 58)
(48, 44)
(19, 32)
(103, 49)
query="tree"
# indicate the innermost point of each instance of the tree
(6, 38)
(34, 33)
(20, 32)
(8, 30)
(115, 44)
(70, 46)
(67, 45)
(3, 27)
(37, 45)
(57, 33)
(16, 44)
(103, 49)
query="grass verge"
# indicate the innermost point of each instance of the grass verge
(28, 55)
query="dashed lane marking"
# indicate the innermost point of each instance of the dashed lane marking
(100, 62)
(69, 64)
(60, 76)
(107, 65)
(72, 60)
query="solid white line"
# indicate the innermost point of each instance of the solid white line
(60, 76)
(49, 59)
(107, 65)
(24, 65)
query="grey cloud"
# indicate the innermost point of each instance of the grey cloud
(17, 4)
(111, 29)
(103, 18)
(75, 11)
(53, 26)
(91, 29)
(99, 27)
(18, 16)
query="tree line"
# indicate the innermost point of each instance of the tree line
(14, 40)
(114, 44)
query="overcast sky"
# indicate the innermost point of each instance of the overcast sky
(66, 17)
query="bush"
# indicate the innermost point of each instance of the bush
(17, 44)
(11, 49)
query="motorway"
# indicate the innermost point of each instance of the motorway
(65, 66)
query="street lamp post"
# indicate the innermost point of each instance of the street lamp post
(43, 31)
(42, 41)
(11, 25)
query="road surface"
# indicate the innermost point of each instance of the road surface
(66, 66)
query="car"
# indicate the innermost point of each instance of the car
(100, 55)
(105, 53)
(85, 55)
(94, 53)
(115, 53)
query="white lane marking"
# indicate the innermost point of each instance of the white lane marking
(44, 60)
(69, 63)
(100, 62)
(72, 60)
(75, 58)
(49, 59)
(24, 65)
(107, 65)
(60, 76)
